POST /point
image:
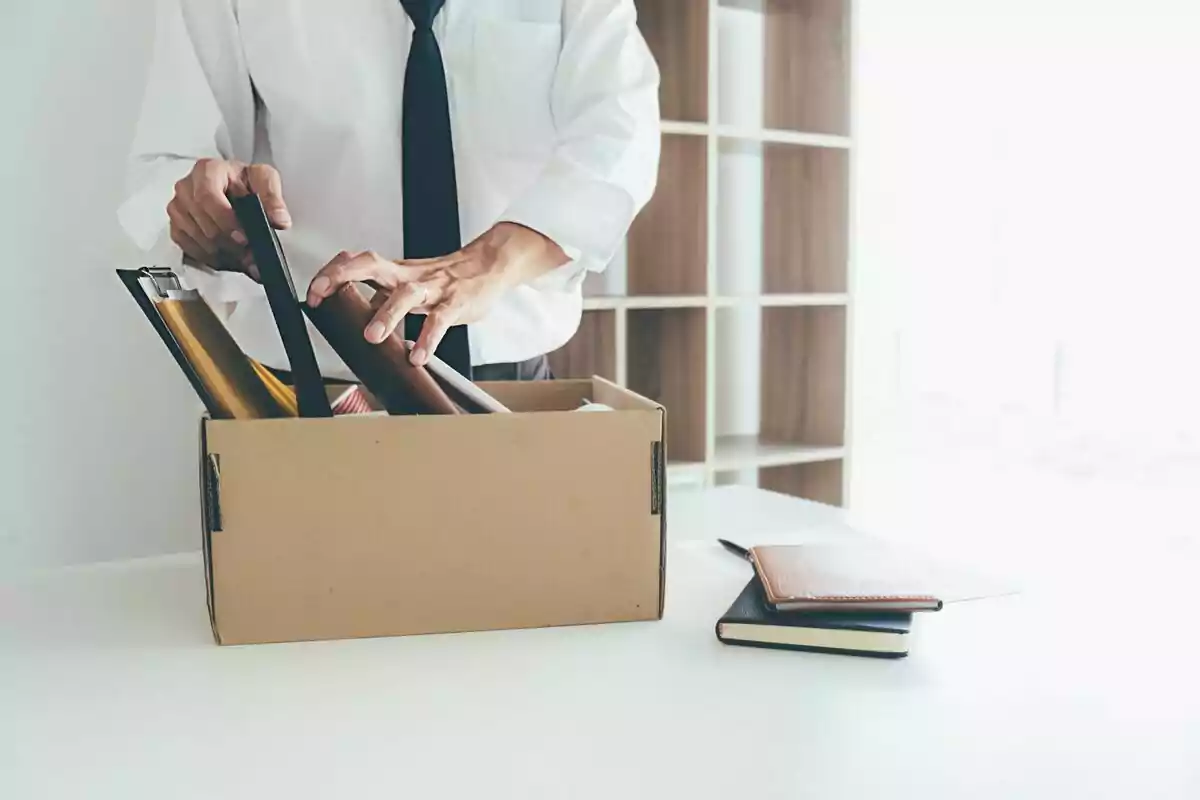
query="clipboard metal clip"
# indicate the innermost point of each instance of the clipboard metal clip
(163, 280)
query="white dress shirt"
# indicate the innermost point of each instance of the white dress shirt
(554, 111)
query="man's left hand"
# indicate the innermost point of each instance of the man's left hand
(459, 288)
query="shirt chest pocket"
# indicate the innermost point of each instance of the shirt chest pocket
(509, 81)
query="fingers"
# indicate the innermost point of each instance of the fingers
(211, 180)
(186, 231)
(199, 251)
(202, 223)
(433, 331)
(322, 284)
(391, 313)
(207, 226)
(250, 268)
(265, 182)
(190, 247)
(366, 267)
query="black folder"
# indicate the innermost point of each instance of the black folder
(285, 306)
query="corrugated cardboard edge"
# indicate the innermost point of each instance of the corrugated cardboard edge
(209, 508)
(658, 486)
(659, 475)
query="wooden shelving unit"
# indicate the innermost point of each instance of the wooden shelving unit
(731, 303)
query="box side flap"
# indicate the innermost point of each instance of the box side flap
(610, 394)
(525, 396)
(210, 511)
(622, 399)
(565, 395)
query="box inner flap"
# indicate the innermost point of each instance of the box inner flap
(565, 395)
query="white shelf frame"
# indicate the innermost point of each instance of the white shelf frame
(712, 301)
(733, 454)
(738, 132)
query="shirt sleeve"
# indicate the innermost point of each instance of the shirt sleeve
(198, 103)
(604, 100)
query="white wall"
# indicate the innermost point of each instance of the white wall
(1028, 206)
(99, 427)
(1028, 252)
(1027, 226)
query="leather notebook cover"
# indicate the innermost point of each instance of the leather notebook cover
(751, 622)
(383, 368)
(849, 577)
(281, 293)
(229, 383)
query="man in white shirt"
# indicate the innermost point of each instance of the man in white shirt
(472, 158)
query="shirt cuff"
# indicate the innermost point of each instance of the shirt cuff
(588, 227)
(219, 287)
(565, 278)
(143, 216)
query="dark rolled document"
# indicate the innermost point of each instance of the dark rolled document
(383, 368)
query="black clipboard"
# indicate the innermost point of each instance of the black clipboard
(285, 306)
(132, 278)
(229, 383)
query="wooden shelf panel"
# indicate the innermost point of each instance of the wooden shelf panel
(666, 363)
(787, 407)
(806, 70)
(591, 351)
(742, 452)
(668, 243)
(806, 200)
(759, 273)
(782, 219)
(821, 481)
(677, 33)
(803, 362)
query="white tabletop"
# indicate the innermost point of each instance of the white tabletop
(112, 687)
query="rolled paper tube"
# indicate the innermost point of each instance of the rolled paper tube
(383, 368)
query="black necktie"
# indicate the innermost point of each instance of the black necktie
(427, 160)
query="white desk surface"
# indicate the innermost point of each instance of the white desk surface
(112, 688)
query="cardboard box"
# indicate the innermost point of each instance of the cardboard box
(393, 525)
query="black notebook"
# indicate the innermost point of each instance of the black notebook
(753, 623)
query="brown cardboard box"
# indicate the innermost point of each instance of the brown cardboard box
(392, 525)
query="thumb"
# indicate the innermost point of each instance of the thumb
(265, 182)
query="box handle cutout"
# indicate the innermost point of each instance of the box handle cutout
(212, 491)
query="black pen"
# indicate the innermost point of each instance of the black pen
(736, 549)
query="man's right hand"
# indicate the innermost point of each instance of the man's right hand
(202, 220)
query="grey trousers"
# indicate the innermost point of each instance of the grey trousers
(535, 369)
